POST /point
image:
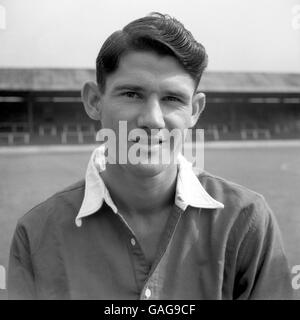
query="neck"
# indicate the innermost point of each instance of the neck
(136, 194)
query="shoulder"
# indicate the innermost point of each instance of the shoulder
(59, 209)
(244, 209)
(227, 191)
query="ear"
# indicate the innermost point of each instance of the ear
(198, 104)
(91, 98)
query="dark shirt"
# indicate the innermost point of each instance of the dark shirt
(230, 253)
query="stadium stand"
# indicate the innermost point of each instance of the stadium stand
(43, 106)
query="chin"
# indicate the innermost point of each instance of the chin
(150, 166)
(149, 170)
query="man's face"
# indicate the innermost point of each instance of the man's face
(149, 92)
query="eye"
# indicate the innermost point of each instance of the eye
(131, 94)
(172, 99)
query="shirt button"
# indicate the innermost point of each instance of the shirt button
(147, 293)
(132, 241)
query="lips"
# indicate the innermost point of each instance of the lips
(149, 141)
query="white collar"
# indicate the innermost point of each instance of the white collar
(189, 190)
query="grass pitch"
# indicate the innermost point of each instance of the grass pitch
(27, 179)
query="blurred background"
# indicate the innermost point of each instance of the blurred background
(252, 118)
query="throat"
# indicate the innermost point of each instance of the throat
(149, 231)
(141, 196)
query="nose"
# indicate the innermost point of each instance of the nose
(151, 115)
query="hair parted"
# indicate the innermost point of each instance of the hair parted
(156, 32)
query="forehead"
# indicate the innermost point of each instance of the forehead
(150, 69)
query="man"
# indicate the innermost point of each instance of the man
(148, 230)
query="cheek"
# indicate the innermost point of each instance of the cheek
(107, 121)
(178, 119)
(112, 116)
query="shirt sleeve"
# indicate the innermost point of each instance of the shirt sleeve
(20, 283)
(262, 268)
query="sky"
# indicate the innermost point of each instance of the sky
(239, 35)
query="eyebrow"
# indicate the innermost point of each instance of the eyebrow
(177, 93)
(132, 87)
(128, 87)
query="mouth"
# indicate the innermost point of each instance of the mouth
(150, 141)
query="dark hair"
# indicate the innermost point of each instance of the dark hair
(159, 33)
